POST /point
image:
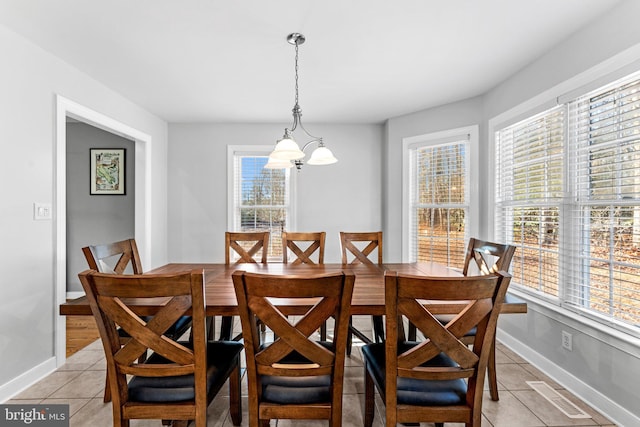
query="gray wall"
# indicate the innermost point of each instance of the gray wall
(603, 366)
(446, 117)
(94, 219)
(333, 198)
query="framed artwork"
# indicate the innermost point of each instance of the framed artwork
(107, 171)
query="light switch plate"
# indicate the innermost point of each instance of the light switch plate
(41, 211)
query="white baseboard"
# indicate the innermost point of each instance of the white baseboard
(27, 379)
(75, 294)
(598, 401)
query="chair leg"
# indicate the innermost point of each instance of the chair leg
(350, 336)
(226, 327)
(412, 335)
(235, 395)
(323, 331)
(107, 389)
(378, 328)
(491, 368)
(211, 328)
(369, 398)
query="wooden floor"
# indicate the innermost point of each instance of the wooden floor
(81, 331)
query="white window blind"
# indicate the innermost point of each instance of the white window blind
(529, 157)
(604, 136)
(568, 196)
(261, 200)
(439, 200)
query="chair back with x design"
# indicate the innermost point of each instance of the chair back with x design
(114, 258)
(122, 258)
(295, 376)
(489, 257)
(246, 245)
(437, 367)
(372, 240)
(179, 378)
(291, 241)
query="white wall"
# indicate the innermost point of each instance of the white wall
(334, 198)
(31, 78)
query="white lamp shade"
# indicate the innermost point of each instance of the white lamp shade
(287, 149)
(278, 164)
(322, 156)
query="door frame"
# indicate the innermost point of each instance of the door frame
(67, 108)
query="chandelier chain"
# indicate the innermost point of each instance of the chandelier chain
(296, 69)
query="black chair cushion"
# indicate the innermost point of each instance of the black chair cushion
(221, 359)
(296, 390)
(413, 391)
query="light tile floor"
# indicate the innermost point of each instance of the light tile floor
(80, 383)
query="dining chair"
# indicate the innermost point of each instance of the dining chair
(123, 258)
(489, 258)
(296, 242)
(179, 379)
(356, 248)
(304, 245)
(439, 379)
(295, 376)
(245, 245)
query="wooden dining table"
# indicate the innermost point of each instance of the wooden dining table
(367, 299)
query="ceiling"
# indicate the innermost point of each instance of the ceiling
(363, 61)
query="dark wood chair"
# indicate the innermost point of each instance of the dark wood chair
(304, 245)
(123, 258)
(489, 258)
(114, 258)
(291, 241)
(294, 377)
(357, 247)
(440, 379)
(179, 379)
(246, 245)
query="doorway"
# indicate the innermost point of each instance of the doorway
(65, 109)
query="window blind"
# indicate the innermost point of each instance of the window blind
(261, 199)
(439, 200)
(604, 132)
(529, 158)
(568, 197)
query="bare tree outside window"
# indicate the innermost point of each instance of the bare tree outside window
(262, 200)
(440, 203)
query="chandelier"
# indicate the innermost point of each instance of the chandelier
(287, 152)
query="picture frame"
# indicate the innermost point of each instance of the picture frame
(107, 171)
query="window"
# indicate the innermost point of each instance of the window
(530, 156)
(261, 198)
(568, 196)
(438, 194)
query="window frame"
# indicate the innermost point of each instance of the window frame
(432, 139)
(573, 90)
(256, 151)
